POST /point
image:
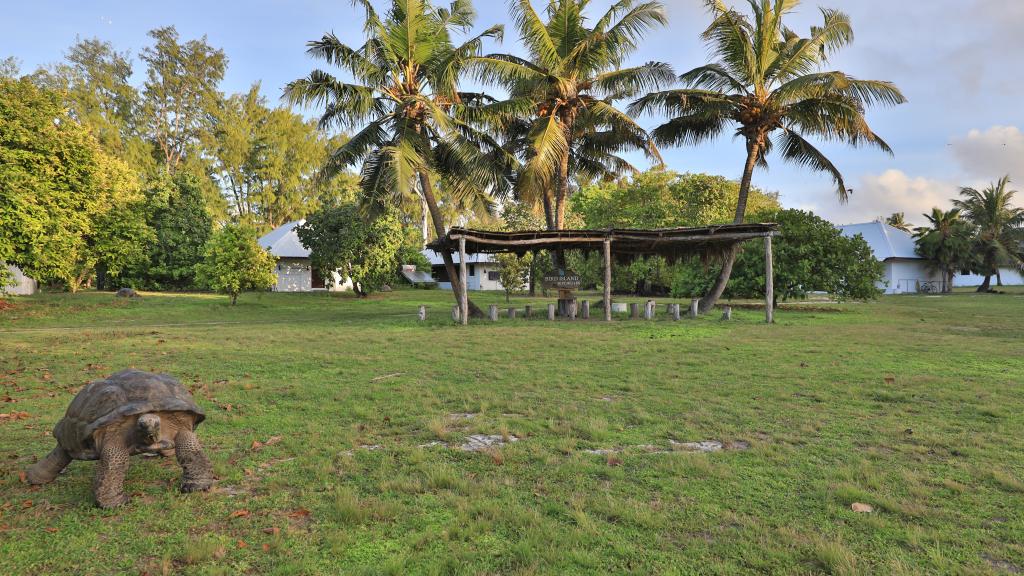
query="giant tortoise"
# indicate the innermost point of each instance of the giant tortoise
(130, 412)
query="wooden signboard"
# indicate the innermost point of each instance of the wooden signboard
(561, 279)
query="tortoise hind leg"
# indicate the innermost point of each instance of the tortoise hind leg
(49, 467)
(108, 486)
(197, 472)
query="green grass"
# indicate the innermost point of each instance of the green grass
(911, 404)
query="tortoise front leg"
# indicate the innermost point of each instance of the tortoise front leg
(108, 485)
(48, 468)
(197, 472)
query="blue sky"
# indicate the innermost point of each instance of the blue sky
(958, 61)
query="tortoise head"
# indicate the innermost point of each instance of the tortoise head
(149, 428)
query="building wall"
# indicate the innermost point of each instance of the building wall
(296, 275)
(905, 276)
(1010, 277)
(479, 275)
(21, 285)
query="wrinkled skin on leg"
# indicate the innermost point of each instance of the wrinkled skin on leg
(108, 485)
(197, 472)
(48, 468)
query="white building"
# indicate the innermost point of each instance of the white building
(295, 272)
(20, 285)
(481, 269)
(1008, 276)
(905, 271)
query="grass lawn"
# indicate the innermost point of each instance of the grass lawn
(913, 405)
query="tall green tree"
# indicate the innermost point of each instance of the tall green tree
(176, 212)
(946, 242)
(415, 125)
(265, 160)
(96, 81)
(999, 228)
(569, 85)
(768, 82)
(65, 204)
(180, 92)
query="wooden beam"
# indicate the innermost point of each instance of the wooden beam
(463, 283)
(769, 281)
(608, 279)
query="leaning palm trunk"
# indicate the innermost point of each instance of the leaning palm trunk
(446, 256)
(729, 258)
(986, 285)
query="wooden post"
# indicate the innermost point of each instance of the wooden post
(694, 307)
(551, 311)
(675, 311)
(512, 313)
(422, 313)
(607, 279)
(456, 312)
(726, 312)
(492, 312)
(586, 310)
(463, 282)
(634, 310)
(769, 281)
(649, 310)
(571, 310)
(526, 311)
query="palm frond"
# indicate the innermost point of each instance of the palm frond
(799, 151)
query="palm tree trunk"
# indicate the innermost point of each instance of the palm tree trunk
(999, 278)
(533, 274)
(729, 258)
(987, 284)
(449, 264)
(549, 217)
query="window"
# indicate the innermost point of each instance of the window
(493, 276)
(472, 269)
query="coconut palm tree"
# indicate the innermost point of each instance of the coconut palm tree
(768, 82)
(946, 243)
(999, 228)
(570, 83)
(898, 220)
(415, 127)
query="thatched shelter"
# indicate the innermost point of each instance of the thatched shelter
(622, 243)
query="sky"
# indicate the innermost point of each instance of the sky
(958, 62)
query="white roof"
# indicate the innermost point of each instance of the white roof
(886, 241)
(284, 242)
(436, 260)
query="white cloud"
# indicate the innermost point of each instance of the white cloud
(891, 191)
(991, 154)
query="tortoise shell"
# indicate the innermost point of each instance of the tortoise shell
(121, 395)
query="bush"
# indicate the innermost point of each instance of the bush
(233, 261)
(809, 255)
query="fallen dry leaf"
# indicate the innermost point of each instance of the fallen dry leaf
(14, 415)
(256, 444)
(861, 507)
(22, 477)
(298, 513)
(241, 544)
(266, 547)
(273, 530)
(51, 529)
(26, 504)
(239, 514)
